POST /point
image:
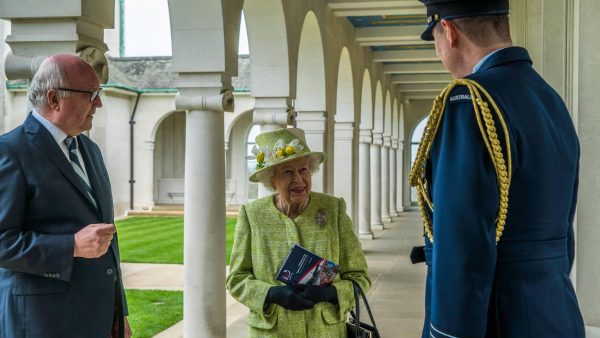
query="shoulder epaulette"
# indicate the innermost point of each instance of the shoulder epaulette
(482, 101)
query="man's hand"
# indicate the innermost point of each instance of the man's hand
(93, 240)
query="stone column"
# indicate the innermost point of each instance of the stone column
(272, 113)
(147, 188)
(204, 225)
(314, 123)
(585, 115)
(364, 185)
(342, 163)
(376, 223)
(400, 177)
(393, 178)
(385, 180)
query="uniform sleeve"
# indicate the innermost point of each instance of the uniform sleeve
(352, 261)
(465, 200)
(22, 250)
(241, 282)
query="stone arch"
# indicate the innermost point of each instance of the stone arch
(378, 110)
(345, 89)
(401, 122)
(395, 120)
(236, 176)
(169, 158)
(310, 85)
(343, 151)
(158, 122)
(387, 115)
(233, 124)
(415, 138)
(268, 45)
(366, 102)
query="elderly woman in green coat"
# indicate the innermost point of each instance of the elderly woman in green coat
(268, 227)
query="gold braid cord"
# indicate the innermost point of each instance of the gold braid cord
(487, 126)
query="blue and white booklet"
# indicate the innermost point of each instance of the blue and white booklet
(304, 267)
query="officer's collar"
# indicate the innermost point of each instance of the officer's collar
(509, 54)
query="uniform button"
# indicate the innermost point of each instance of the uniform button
(109, 271)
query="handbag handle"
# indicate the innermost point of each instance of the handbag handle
(357, 309)
(358, 290)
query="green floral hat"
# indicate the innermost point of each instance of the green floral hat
(280, 146)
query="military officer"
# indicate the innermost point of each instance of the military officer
(496, 175)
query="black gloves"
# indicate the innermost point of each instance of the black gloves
(301, 297)
(417, 254)
(288, 298)
(318, 294)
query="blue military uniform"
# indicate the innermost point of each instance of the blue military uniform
(518, 286)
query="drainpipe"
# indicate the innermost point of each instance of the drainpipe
(131, 157)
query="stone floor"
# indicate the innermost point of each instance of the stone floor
(396, 296)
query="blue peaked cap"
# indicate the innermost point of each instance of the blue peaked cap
(452, 9)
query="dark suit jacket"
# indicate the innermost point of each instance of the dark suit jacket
(44, 291)
(519, 287)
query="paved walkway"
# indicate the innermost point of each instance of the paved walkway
(396, 296)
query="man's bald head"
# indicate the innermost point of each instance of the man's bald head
(65, 90)
(56, 72)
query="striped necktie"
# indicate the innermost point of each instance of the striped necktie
(71, 143)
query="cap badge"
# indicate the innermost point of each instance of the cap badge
(434, 17)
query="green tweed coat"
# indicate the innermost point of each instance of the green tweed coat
(263, 238)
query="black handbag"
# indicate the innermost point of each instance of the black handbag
(354, 327)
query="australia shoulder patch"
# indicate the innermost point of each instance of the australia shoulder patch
(459, 97)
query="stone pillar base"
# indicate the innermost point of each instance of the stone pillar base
(394, 213)
(377, 227)
(592, 332)
(368, 236)
(386, 219)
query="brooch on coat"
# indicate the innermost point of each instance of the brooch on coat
(320, 218)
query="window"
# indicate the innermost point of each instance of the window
(414, 146)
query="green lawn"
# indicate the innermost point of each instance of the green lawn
(153, 311)
(158, 239)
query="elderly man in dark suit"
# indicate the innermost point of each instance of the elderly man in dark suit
(497, 176)
(59, 259)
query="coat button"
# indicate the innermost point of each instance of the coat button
(109, 271)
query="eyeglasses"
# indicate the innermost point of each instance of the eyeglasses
(93, 93)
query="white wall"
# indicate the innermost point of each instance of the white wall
(16, 111)
(111, 132)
